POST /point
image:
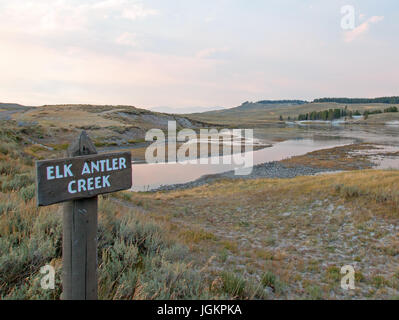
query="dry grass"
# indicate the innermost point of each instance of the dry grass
(381, 118)
(139, 257)
(259, 114)
(300, 229)
(264, 238)
(65, 116)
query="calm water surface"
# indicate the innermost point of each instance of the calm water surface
(150, 176)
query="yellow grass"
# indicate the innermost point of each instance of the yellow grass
(263, 114)
(250, 219)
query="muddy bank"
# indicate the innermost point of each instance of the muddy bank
(357, 156)
(265, 170)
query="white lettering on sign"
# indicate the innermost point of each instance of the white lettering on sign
(50, 172)
(89, 184)
(70, 186)
(81, 177)
(66, 172)
(55, 172)
(89, 167)
(104, 165)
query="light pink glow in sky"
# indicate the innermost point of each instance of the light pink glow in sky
(193, 53)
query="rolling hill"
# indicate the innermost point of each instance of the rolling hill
(108, 125)
(258, 113)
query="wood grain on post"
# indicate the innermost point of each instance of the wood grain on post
(80, 238)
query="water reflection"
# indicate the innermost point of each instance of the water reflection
(150, 176)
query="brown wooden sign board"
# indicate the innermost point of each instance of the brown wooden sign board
(82, 177)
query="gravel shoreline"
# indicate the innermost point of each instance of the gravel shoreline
(273, 169)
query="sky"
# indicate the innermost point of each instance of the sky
(194, 53)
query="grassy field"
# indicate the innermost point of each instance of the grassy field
(255, 114)
(109, 126)
(241, 239)
(381, 118)
(293, 235)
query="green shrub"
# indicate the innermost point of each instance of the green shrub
(333, 273)
(134, 141)
(176, 253)
(29, 244)
(9, 168)
(135, 258)
(27, 160)
(314, 292)
(6, 207)
(137, 261)
(6, 148)
(171, 280)
(17, 182)
(60, 147)
(379, 281)
(28, 193)
(269, 279)
(391, 109)
(118, 261)
(233, 285)
(99, 144)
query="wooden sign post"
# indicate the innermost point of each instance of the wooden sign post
(77, 181)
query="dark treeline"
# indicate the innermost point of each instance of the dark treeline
(329, 114)
(332, 114)
(387, 100)
(391, 109)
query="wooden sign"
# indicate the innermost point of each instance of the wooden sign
(82, 177)
(77, 180)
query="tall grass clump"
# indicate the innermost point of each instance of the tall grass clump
(17, 181)
(27, 193)
(269, 279)
(29, 239)
(236, 287)
(375, 186)
(9, 168)
(233, 284)
(138, 261)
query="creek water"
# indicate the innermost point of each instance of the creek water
(151, 176)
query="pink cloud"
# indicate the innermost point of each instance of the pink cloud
(352, 35)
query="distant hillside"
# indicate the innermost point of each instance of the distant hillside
(7, 110)
(248, 112)
(386, 100)
(107, 125)
(256, 113)
(282, 102)
(13, 106)
(183, 110)
(264, 104)
(259, 105)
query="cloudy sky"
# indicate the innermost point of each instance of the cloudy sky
(187, 53)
